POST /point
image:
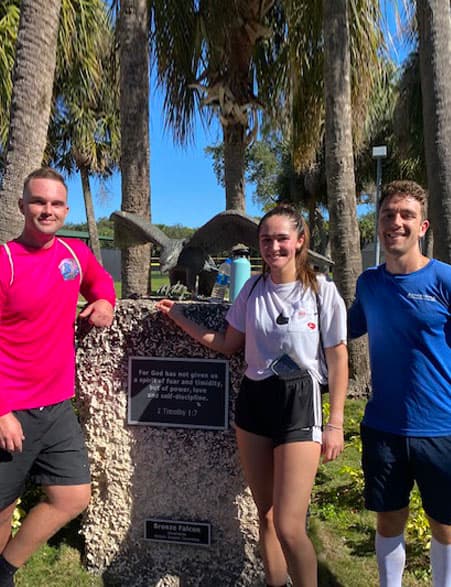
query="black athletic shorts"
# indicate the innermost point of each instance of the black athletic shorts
(54, 452)
(283, 410)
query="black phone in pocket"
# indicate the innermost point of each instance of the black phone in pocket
(284, 365)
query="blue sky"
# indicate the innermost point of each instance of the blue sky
(184, 189)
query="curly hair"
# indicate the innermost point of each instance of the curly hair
(405, 188)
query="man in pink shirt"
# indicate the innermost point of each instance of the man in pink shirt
(41, 277)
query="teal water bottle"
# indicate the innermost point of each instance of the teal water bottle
(241, 270)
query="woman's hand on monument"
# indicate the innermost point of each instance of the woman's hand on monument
(168, 307)
(227, 342)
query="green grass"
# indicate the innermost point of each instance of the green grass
(341, 529)
(56, 566)
(157, 281)
(58, 563)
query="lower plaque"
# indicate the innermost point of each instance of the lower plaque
(178, 532)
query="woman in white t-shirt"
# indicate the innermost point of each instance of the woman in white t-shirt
(277, 317)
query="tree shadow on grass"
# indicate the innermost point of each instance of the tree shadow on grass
(347, 495)
(326, 578)
(342, 505)
(69, 535)
(363, 544)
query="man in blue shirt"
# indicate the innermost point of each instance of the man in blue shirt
(404, 306)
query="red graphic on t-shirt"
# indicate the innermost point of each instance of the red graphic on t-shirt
(311, 325)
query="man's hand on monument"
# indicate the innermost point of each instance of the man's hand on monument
(99, 313)
(11, 434)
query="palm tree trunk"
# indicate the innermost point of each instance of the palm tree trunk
(90, 217)
(34, 70)
(135, 146)
(344, 228)
(234, 153)
(434, 24)
(242, 41)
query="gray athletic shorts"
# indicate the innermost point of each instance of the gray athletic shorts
(54, 452)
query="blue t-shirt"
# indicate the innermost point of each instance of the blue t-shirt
(408, 321)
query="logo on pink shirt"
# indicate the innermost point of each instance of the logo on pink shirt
(68, 269)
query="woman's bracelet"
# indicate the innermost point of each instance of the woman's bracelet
(333, 427)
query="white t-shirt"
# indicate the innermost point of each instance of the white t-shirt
(282, 319)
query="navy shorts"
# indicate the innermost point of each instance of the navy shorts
(392, 463)
(54, 452)
(285, 411)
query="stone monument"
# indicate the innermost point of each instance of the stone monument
(181, 485)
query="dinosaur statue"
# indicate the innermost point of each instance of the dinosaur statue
(185, 259)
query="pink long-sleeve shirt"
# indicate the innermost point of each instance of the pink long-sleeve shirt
(38, 301)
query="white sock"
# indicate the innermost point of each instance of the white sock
(441, 563)
(391, 558)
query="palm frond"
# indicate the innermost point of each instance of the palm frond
(304, 62)
(9, 24)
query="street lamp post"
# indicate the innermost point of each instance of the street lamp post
(379, 153)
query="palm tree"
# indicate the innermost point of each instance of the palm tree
(420, 136)
(434, 26)
(206, 57)
(407, 124)
(34, 71)
(83, 126)
(135, 148)
(84, 130)
(406, 137)
(294, 93)
(86, 139)
(330, 69)
(344, 229)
